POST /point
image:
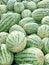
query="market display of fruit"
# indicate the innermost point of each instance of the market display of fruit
(24, 32)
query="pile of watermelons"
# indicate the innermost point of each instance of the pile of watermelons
(24, 32)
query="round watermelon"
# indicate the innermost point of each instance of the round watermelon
(18, 7)
(25, 3)
(34, 41)
(3, 9)
(31, 28)
(31, 5)
(26, 13)
(16, 41)
(10, 4)
(43, 31)
(45, 20)
(32, 56)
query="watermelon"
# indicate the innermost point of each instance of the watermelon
(31, 56)
(45, 20)
(46, 59)
(31, 5)
(18, 7)
(39, 13)
(16, 41)
(25, 3)
(45, 45)
(10, 4)
(26, 13)
(43, 31)
(31, 28)
(6, 57)
(8, 20)
(43, 4)
(3, 9)
(34, 41)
